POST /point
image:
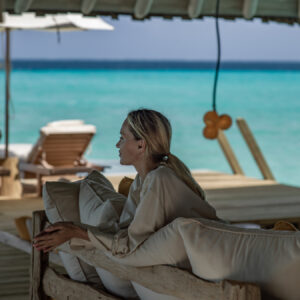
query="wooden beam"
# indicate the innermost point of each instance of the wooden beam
(87, 6)
(7, 89)
(249, 8)
(39, 260)
(142, 8)
(60, 288)
(229, 154)
(22, 6)
(195, 8)
(1, 10)
(271, 10)
(254, 149)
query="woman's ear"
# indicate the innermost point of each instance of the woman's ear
(142, 145)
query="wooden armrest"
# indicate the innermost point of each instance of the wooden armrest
(40, 170)
(4, 172)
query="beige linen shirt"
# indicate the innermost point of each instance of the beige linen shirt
(150, 205)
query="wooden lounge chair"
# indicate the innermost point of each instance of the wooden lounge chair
(59, 150)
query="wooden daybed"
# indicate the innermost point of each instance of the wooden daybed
(162, 279)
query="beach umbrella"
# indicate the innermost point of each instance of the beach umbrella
(30, 21)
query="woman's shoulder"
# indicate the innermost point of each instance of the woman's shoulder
(160, 173)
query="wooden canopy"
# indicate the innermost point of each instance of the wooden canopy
(286, 11)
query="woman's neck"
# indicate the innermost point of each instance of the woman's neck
(144, 168)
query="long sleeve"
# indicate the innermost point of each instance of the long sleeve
(163, 198)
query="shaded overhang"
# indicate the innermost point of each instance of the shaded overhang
(284, 11)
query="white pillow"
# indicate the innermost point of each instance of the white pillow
(147, 294)
(61, 204)
(218, 251)
(100, 205)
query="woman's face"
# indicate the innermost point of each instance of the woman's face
(129, 147)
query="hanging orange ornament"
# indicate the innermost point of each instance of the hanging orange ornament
(224, 122)
(210, 132)
(211, 118)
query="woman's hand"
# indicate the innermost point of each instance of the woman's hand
(57, 234)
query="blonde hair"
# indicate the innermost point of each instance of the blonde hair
(155, 129)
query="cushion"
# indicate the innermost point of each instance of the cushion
(61, 204)
(22, 228)
(284, 225)
(117, 286)
(147, 294)
(100, 205)
(218, 251)
(124, 186)
(61, 201)
(65, 123)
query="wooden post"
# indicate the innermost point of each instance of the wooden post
(229, 154)
(39, 186)
(1, 10)
(254, 149)
(7, 89)
(11, 185)
(39, 260)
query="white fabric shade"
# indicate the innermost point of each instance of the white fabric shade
(65, 22)
(30, 21)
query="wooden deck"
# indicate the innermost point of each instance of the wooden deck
(237, 198)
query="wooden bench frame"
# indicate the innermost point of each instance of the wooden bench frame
(45, 282)
(41, 171)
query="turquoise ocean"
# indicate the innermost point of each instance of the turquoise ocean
(269, 100)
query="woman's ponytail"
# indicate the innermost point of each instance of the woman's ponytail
(183, 172)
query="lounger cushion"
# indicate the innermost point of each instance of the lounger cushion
(101, 206)
(63, 123)
(22, 228)
(217, 251)
(78, 129)
(61, 204)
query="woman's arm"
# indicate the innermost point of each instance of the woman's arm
(57, 234)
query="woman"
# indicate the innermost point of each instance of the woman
(162, 191)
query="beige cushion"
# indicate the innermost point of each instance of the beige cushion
(22, 228)
(78, 129)
(101, 206)
(61, 204)
(124, 186)
(218, 251)
(147, 294)
(61, 201)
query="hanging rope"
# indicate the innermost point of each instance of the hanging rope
(213, 121)
(58, 36)
(218, 57)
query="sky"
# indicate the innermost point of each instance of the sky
(159, 39)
